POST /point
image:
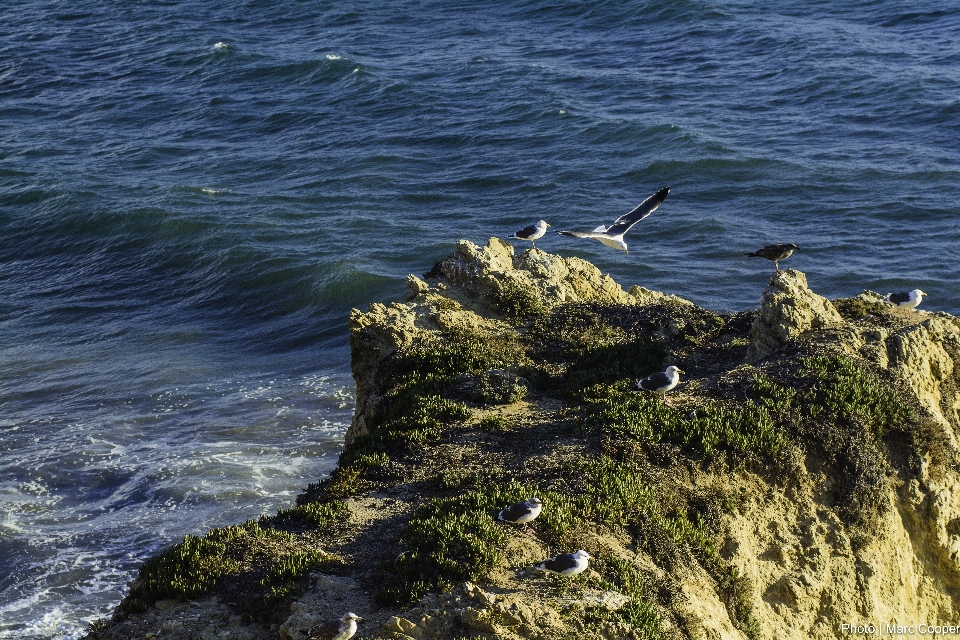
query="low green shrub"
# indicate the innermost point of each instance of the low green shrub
(196, 565)
(853, 397)
(287, 578)
(318, 514)
(645, 417)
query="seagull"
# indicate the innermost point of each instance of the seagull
(566, 564)
(531, 232)
(342, 629)
(522, 512)
(775, 253)
(612, 236)
(906, 299)
(661, 382)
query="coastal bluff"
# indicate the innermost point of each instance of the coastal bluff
(803, 477)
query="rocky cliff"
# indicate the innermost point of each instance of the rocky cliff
(802, 477)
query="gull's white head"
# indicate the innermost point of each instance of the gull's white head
(916, 293)
(673, 372)
(543, 224)
(582, 555)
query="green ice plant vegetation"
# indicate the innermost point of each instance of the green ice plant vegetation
(196, 565)
(318, 514)
(645, 417)
(286, 578)
(850, 395)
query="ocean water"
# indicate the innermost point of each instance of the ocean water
(193, 195)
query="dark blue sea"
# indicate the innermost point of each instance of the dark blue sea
(193, 195)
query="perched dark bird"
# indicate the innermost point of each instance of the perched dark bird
(566, 564)
(612, 236)
(775, 253)
(661, 382)
(532, 232)
(907, 299)
(342, 629)
(521, 512)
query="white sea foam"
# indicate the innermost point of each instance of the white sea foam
(220, 46)
(244, 446)
(333, 56)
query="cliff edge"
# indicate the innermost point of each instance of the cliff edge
(802, 477)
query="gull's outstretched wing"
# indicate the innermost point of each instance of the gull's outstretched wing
(584, 234)
(645, 208)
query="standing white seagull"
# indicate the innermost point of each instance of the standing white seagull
(532, 232)
(661, 382)
(522, 512)
(907, 299)
(612, 236)
(567, 564)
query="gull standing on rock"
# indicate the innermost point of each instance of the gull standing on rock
(906, 299)
(775, 253)
(342, 629)
(532, 232)
(612, 236)
(661, 382)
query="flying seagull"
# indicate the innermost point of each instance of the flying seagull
(661, 382)
(566, 564)
(522, 512)
(907, 299)
(775, 253)
(342, 629)
(612, 236)
(531, 232)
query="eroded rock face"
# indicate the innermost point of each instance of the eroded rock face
(926, 356)
(788, 310)
(548, 279)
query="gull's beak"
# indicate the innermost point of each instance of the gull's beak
(548, 224)
(680, 371)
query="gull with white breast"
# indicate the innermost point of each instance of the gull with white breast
(906, 299)
(567, 564)
(661, 382)
(522, 512)
(531, 232)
